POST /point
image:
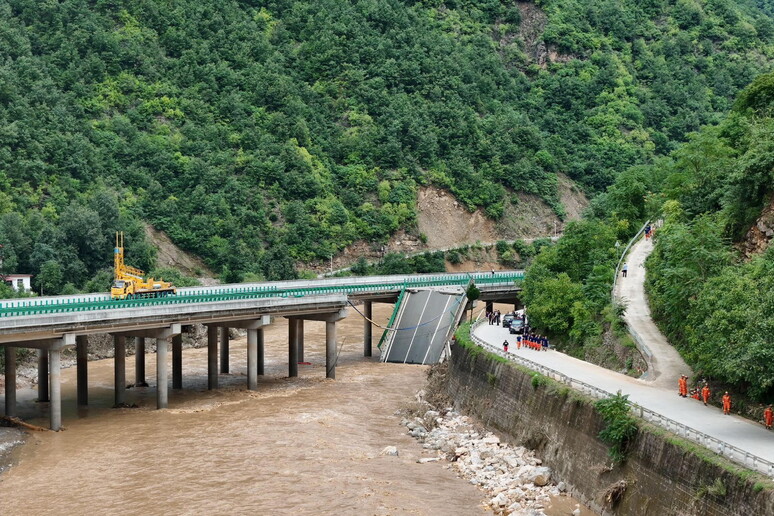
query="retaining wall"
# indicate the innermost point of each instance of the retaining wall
(661, 477)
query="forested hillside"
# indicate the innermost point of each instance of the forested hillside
(711, 288)
(258, 134)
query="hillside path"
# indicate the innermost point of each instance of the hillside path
(665, 365)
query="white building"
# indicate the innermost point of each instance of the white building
(19, 282)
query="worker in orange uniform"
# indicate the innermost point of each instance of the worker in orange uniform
(705, 393)
(682, 386)
(726, 403)
(768, 417)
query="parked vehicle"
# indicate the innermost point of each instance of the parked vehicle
(516, 327)
(507, 319)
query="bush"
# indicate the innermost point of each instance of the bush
(620, 425)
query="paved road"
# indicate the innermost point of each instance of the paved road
(659, 391)
(665, 365)
(734, 430)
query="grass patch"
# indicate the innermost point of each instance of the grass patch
(491, 379)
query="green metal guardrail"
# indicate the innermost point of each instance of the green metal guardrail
(53, 306)
(395, 310)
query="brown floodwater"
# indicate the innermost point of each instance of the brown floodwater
(305, 445)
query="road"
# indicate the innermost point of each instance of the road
(735, 430)
(665, 365)
(659, 392)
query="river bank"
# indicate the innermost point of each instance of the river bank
(296, 446)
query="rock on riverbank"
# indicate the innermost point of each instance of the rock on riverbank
(514, 479)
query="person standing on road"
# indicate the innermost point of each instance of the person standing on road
(505, 346)
(681, 385)
(726, 403)
(705, 393)
(625, 269)
(768, 417)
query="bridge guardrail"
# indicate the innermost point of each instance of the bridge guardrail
(718, 446)
(26, 307)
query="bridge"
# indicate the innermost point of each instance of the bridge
(50, 324)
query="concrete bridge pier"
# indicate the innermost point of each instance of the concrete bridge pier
(82, 369)
(161, 334)
(119, 365)
(139, 362)
(177, 361)
(330, 349)
(10, 381)
(255, 358)
(367, 327)
(212, 357)
(300, 339)
(261, 359)
(162, 381)
(330, 319)
(292, 347)
(224, 350)
(43, 375)
(55, 379)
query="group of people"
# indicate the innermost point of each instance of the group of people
(703, 394)
(529, 341)
(493, 317)
(649, 231)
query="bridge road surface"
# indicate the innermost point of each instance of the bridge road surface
(734, 430)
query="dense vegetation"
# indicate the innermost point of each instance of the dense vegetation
(259, 134)
(713, 302)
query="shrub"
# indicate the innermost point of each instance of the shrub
(620, 425)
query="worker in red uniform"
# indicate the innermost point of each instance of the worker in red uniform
(726, 403)
(768, 417)
(705, 393)
(505, 346)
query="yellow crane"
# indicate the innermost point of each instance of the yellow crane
(129, 282)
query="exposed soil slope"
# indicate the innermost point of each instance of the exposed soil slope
(447, 223)
(169, 255)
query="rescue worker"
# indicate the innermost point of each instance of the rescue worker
(505, 346)
(726, 403)
(681, 386)
(518, 341)
(705, 393)
(768, 417)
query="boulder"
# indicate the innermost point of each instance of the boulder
(390, 451)
(540, 476)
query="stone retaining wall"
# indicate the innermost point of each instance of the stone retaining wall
(662, 477)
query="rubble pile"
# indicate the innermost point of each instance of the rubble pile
(514, 479)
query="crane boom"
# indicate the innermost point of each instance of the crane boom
(129, 282)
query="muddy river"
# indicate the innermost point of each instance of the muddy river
(305, 445)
